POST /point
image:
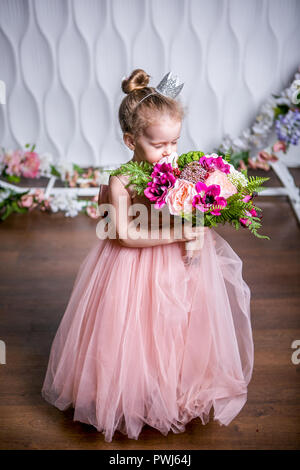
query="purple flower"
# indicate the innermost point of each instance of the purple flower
(162, 180)
(288, 127)
(208, 196)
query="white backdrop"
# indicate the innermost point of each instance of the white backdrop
(63, 60)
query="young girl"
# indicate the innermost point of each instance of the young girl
(147, 338)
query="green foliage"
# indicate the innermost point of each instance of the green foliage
(11, 178)
(254, 185)
(245, 173)
(10, 204)
(236, 208)
(254, 226)
(78, 169)
(280, 109)
(54, 171)
(227, 157)
(32, 148)
(237, 157)
(139, 172)
(189, 157)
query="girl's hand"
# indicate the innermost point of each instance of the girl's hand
(193, 250)
(193, 247)
(192, 233)
(194, 237)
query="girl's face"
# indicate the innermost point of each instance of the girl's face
(157, 141)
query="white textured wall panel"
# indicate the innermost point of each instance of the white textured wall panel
(63, 61)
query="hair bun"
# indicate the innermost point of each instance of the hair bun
(137, 80)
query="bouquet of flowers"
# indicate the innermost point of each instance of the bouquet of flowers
(197, 187)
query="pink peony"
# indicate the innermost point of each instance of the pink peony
(30, 165)
(227, 189)
(179, 198)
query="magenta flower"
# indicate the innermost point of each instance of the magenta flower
(162, 180)
(245, 222)
(251, 213)
(208, 196)
(214, 163)
(247, 198)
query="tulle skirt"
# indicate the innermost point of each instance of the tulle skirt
(146, 339)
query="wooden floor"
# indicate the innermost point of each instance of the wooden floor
(40, 255)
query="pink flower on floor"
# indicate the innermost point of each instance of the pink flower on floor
(265, 156)
(45, 205)
(279, 146)
(30, 165)
(92, 212)
(26, 200)
(13, 162)
(39, 195)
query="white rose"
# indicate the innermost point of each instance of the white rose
(170, 159)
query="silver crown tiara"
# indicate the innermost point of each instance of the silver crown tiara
(169, 86)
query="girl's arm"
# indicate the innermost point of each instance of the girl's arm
(120, 219)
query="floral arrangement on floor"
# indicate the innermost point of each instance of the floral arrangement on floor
(196, 183)
(28, 163)
(281, 112)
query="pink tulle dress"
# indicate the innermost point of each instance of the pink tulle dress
(147, 339)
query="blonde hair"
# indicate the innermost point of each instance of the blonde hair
(134, 117)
